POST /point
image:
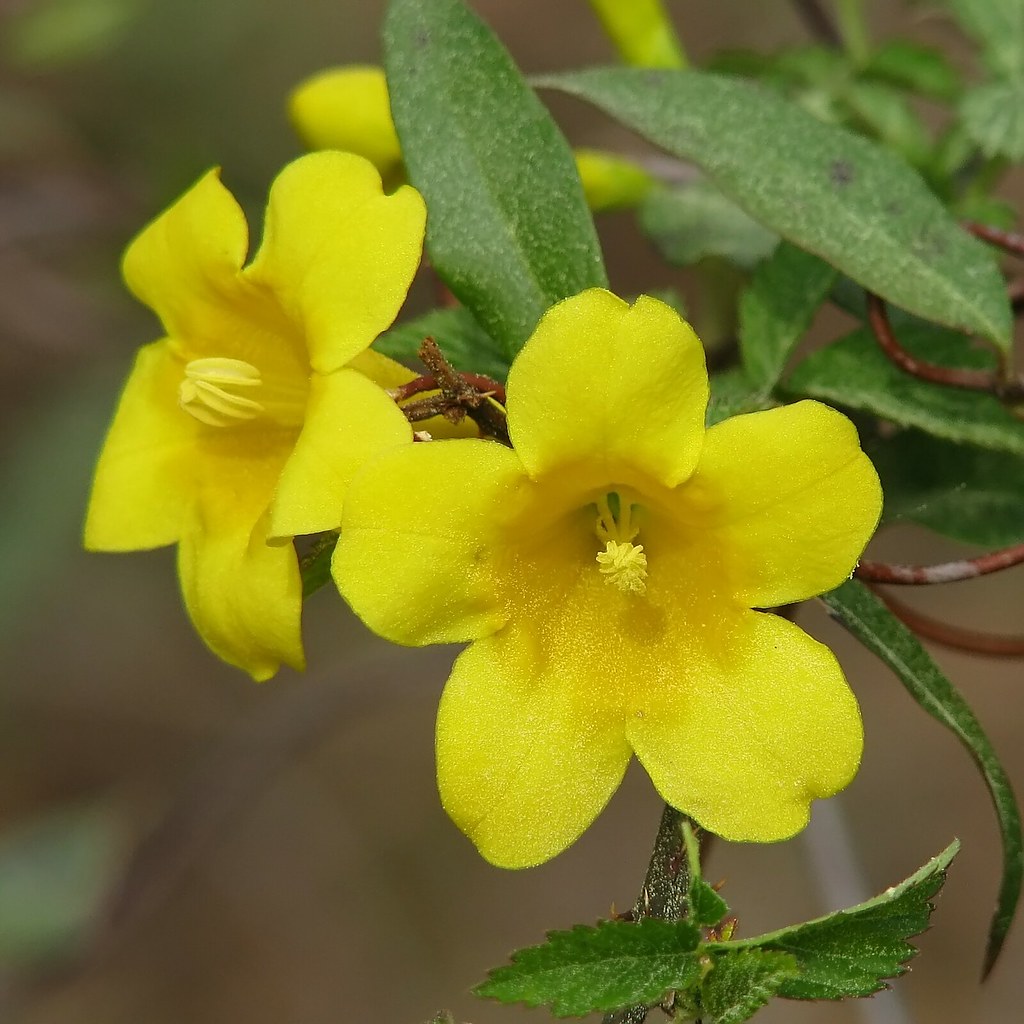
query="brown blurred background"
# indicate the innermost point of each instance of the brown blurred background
(299, 869)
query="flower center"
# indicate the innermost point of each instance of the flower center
(224, 392)
(622, 563)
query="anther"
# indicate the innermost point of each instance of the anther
(213, 391)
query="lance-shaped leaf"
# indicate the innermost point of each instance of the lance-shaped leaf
(825, 189)
(852, 952)
(602, 968)
(880, 631)
(855, 373)
(960, 491)
(508, 227)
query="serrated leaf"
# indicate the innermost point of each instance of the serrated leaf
(695, 220)
(465, 344)
(864, 615)
(852, 952)
(915, 67)
(993, 117)
(741, 982)
(509, 230)
(998, 27)
(823, 188)
(967, 493)
(855, 373)
(602, 968)
(706, 906)
(777, 308)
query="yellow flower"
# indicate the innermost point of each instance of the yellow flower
(242, 427)
(606, 568)
(348, 108)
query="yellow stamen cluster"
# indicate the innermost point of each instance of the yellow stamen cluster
(213, 391)
(622, 563)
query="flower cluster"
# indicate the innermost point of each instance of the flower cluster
(610, 568)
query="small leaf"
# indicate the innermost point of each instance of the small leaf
(315, 564)
(777, 308)
(881, 632)
(734, 392)
(913, 66)
(693, 221)
(967, 493)
(465, 344)
(509, 230)
(855, 373)
(741, 982)
(998, 26)
(993, 116)
(706, 906)
(852, 952)
(823, 188)
(602, 968)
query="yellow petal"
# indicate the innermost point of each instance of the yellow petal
(348, 420)
(617, 390)
(522, 765)
(790, 498)
(185, 264)
(339, 253)
(244, 595)
(381, 369)
(145, 482)
(347, 108)
(420, 537)
(751, 730)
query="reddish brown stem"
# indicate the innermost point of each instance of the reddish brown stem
(428, 382)
(946, 572)
(953, 636)
(973, 380)
(1010, 241)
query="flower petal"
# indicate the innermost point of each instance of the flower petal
(348, 420)
(339, 253)
(145, 481)
(522, 767)
(185, 264)
(755, 730)
(244, 595)
(791, 498)
(420, 538)
(347, 108)
(620, 388)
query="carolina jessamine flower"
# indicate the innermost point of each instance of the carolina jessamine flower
(241, 428)
(348, 108)
(606, 568)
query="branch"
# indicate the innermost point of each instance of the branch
(945, 572)
(958, 637)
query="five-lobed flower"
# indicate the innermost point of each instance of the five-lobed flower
(607, 570)
(242, 427)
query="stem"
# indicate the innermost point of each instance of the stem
(664, 892)
(818, 23)
(853, 30)
(642, 33)
(945, 572)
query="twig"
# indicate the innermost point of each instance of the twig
(972, 380)
(1009, 241)
(945, 572)
(818, 23)
(428, 382)
(948, 635)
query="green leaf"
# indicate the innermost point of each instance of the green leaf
(777, 308)
(706, 906)
(880, 631)
(734, 392)
(884, 113)
(913, 66)
(741, 982)
(821, 187)
(465, 344)
(855, 373)
(993, 117)
(315, 564)
(998, 27)
(509, 230)
(602, 968)
(696, 220)
(852, 952)
(967, 493)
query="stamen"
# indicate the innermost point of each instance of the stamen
(211, 391)
(624, 565)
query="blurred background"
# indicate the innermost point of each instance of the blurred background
(290, 861)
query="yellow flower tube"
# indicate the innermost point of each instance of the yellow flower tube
(608, 570)
(242, 427)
